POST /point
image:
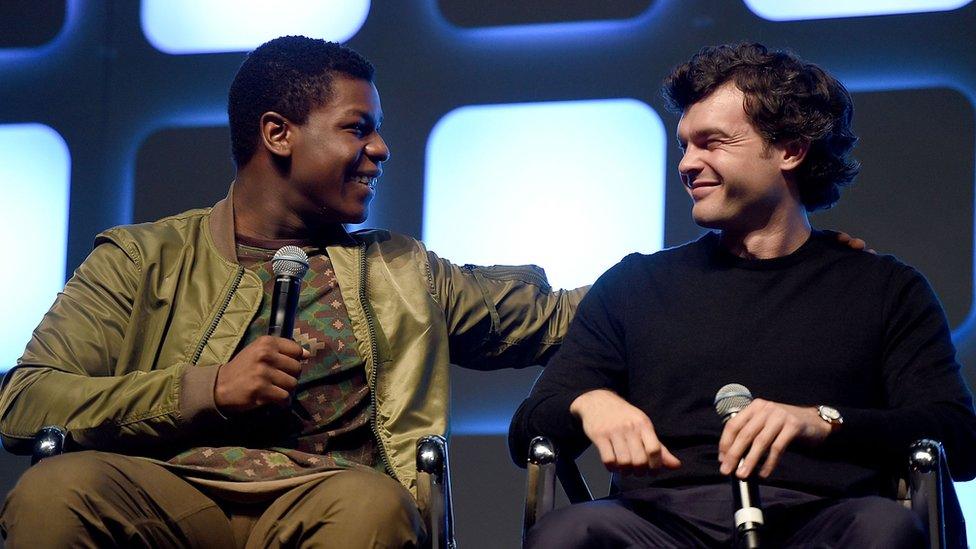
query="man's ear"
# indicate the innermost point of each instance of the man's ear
(277, 133)
(793, 154)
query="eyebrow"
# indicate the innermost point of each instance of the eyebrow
(367, 115)
(705, 132)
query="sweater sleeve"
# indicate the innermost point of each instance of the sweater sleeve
(592, 357)
(925, 394)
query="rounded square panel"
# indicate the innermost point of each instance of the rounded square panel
(571, 186)
(192, 26)
(794, 10)
(35, 171)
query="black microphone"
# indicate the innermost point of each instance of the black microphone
(289, 264)
(730, 400)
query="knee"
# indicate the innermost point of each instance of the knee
(887, 523)
(376, 495)
(58, 481)
(369, 509)
(579, 525)
(43, 502)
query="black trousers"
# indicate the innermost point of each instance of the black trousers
(702, 517)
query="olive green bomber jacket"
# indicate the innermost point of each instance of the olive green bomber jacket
(127, 357)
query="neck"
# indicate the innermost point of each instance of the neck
(261, 210)
(779, 236)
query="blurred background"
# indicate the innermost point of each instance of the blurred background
(522, 131)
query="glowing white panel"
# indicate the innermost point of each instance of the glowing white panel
(207, 26)
(34, 184)
(570, 186)
(792, 10)
(966, 492)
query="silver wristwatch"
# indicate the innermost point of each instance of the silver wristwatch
(830, 415)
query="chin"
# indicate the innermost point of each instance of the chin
(706, 220)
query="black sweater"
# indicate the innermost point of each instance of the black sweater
(823, 325)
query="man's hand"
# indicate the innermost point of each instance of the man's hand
(622, 433)
(853, 242)
(767, 426)
(264, 372)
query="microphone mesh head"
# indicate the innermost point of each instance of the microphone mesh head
(290, 261)
(731, 399)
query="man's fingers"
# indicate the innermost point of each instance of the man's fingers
(743, 440)
(621, 450)
(274, 395)
(290, 348)
(638, 453)
(283, 380)
(669, 460)
(760, 444)
(288, 365)
(607, 456)
(776, 449)
(733, 426)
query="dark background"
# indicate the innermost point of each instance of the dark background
(147, 137)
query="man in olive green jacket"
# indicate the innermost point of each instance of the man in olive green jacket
(152, 356)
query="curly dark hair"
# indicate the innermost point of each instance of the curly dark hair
(786, 99)
(289, 75)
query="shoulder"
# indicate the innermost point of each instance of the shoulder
(140, 239)
(385, 241)
(668, 259)
(840, 254)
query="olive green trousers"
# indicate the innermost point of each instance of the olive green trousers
(99, 499)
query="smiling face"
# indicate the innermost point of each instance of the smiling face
(336, 156)
(737, 181)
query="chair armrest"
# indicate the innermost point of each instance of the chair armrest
(544, 465)
(49, 441)
(540, 486)
(434, 491)
(933, 497)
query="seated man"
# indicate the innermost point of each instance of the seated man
(203, 431)
(848, 353)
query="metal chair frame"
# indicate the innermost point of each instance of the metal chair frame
(433, 481)
(927, 489)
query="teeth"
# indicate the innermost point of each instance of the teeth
(371, 181)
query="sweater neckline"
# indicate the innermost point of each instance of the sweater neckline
(722, 256)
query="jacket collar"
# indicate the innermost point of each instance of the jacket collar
(222, 228)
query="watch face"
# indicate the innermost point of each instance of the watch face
(829, 414)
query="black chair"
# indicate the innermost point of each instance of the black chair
(926, 489)
(433, 481)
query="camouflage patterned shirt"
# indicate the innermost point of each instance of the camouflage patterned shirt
(328, 425)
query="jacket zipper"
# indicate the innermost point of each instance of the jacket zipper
(370, 324)
(220, 313)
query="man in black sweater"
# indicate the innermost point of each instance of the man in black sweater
(848, 353)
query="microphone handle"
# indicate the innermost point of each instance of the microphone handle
(748, 513)
(284, 306)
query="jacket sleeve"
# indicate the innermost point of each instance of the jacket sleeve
(501, 316)
(924, 392)
(70, 374)
(593, 357)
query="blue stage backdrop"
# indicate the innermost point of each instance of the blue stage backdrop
(528, 131)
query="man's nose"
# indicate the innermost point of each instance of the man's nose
(378, 150)
(689, 165)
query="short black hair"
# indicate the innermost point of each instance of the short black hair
(290, 75)
(786, 99)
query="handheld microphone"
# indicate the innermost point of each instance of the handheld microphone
(289, 264)
(730, 400)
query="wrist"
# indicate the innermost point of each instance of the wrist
(582, 403)
(830, 417)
